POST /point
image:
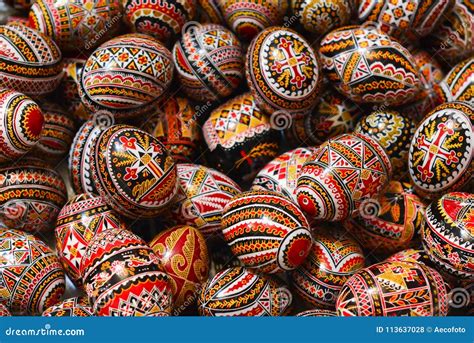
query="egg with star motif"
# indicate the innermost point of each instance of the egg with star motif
(71, 307)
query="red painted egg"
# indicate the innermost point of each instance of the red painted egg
(76, 25)
(71, 307)
(31, 195)
(122, 277)
(133, 172)
(317, 313)
(32, 67)
(21, 124)
(182, 252)
(4, 311)
(283, 71)
(335, 256)
(240, 292)
(80, 220)
(394, 289)
(389, 222)
(203, 192)
(340, 175)
(266, 231)
(31, 277)
(126, 76)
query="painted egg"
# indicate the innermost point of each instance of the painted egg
(393, 131)
(404, 19)
(317, 313)
(333, 116)
(459, 83)
(440, 156)
(283, 71)
(448, 236)
(21, 124)
(133, 171)
(368, 66)
(68, 91)
(182, 252)
(30, 62)
(266, 231)
(31, 277)
(32, 195)
(394, 289)
(208, 11)
(209, 62)
(248, 17)
(176, 126)
(16, 20)
(203, 193)
(322, 16)
(163, 19)
(430, 94)
(76, 25)
(80, 154)
(340, 175)
(240, 292)
(122, 276)
(281, 174)
(82, 218)
(240, 138)
(126, 76)
(4, 311)
(71, 307)
(453, 39)
(390, 222)
(57, 135)
(335, 256)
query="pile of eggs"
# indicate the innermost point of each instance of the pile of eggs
(236, 158)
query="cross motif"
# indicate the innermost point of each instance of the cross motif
(292, 62)
(145, 158)
(434, 150)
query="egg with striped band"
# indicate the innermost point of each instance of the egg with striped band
(241, 292)
(209, 62)
(335, 256)
(266, 231)
(30, 62)
(126, 76)
(21, 124)
(458, 85)
(368, 66)
(31, 276)
(71, 307)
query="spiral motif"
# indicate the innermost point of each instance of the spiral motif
(190, 27)
(103, 119)
(369, 208)
(459, 297)
(280, 120)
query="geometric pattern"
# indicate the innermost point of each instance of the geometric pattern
(458, 84)
(31, 277)
(241, 292)
(367, 65)
(340, 175)
(394, 289)
(72, 307)
(202, 195)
